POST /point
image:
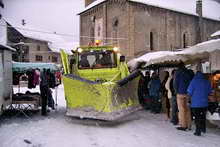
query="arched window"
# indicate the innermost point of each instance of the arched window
(151, 41)
(184, 40)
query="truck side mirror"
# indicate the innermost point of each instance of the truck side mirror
(122, 58)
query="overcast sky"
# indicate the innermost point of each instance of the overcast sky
(47, 15)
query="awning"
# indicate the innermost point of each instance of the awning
(24, 66)
(156, 58)
(169, 58)
(201, 50)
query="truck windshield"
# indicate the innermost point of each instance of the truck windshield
(97, 59)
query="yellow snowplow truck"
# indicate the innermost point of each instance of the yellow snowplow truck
(98, 85)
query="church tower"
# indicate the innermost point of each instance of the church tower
(87, 2)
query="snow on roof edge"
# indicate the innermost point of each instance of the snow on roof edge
(175, 10)
(7, 47)
(95, 3)
(217, 33)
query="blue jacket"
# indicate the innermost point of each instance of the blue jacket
(154, 87)
(182, 79)
(199, 89)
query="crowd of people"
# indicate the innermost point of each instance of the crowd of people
(181, 93)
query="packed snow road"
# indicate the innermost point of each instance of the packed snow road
(141, 129)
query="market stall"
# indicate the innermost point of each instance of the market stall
(205, 52)
(28, 75)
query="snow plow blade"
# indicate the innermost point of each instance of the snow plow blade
(103, 101)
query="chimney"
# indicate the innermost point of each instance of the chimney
(199, 7)
(200, 27)
(87, 2)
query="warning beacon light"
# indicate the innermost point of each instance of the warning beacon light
(97, 42)
(115, 49)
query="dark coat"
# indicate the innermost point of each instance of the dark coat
(44, 80)
(182, 79)
(172, 88)
(199, 89)
(154, 87)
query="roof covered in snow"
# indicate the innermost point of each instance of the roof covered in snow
(210, 8)
(97, 2)
(7, 47)
(216, 34)
(55, 41)
(204, 47)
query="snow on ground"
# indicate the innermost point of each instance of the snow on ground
(141, 129)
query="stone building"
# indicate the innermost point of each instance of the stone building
(141, 26)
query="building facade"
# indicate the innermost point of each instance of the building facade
(31, 49)
(139, 28)
(38, 51)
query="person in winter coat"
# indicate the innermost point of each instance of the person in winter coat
(84, 63)
(143, 92)
(52, 84)
(154, 92)
(181, 82)
(168, 96)
(44, 91)
(174, 108)
(199, 90)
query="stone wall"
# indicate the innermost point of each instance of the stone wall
(168, 28)
(133, 23)
(115, 24)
